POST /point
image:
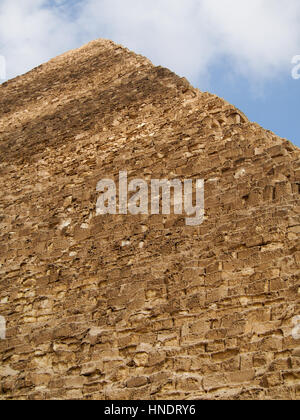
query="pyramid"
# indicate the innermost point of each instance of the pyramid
(124, 306)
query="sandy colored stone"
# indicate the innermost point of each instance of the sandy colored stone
(140, 307)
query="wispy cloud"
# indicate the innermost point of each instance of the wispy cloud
(32, 32)
(257, 37)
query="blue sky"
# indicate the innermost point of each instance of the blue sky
(275, 104)
(241, 51)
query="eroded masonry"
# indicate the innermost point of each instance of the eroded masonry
(142, 307)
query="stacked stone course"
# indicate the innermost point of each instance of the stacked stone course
(142, 307)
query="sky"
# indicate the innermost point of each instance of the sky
(247, 52)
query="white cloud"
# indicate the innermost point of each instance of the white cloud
(258, 37)
(31, 33)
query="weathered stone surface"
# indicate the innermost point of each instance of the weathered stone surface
(137, 307)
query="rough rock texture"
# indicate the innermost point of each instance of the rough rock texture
(138, 307)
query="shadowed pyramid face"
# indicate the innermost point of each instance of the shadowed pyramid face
(139, 306)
